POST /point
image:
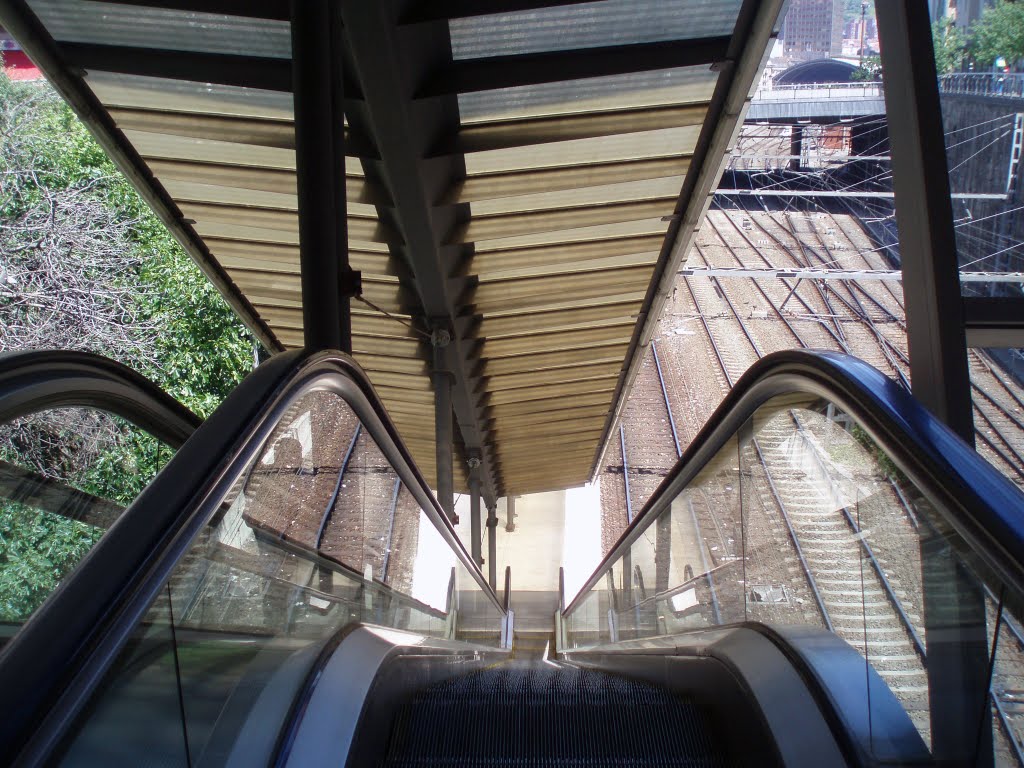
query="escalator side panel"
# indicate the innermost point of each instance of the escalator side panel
(325, 733)
(871, 716)
(766, 680)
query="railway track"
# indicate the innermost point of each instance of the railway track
(860, 607)
(876, 607)
(861, 577)
(880, 306)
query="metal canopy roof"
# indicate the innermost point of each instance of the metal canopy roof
(527, 173)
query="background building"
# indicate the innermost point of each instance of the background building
(813, 29)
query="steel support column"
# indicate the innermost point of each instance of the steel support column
(492, 545)
(390, 62)
(442, 379)
(924, 215)
(320, 174)
(474, 511)
(954, 607)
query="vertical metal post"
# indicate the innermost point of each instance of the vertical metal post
(924, 215)
(492, 545)
(326, 279)
(474, 511)
(663, 552)
(510, 513)
(954, 609)
(796, 146)
(442, 379)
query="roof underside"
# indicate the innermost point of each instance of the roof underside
(527, 177)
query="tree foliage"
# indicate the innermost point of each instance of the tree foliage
(999, 33)
(85, 265)
(949, 44)
(870, 69)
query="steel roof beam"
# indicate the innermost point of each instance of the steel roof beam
(402, 129)
(494, 72)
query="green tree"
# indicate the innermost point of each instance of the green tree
(84, 264)
(949, 44)
(869, 69)
(999, 33)
(69, 218)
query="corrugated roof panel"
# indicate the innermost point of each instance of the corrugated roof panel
(568, 177)
(501, 259)
(682, 85)
(544, 269)
(630, 142)
(589, 25)
(523, 323)
(583, 194)
(565, 191)
(87, 21)
(118, 90)
(580, 235)
(543, 361)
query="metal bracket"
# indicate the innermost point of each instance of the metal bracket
(350, 283)
(508, 630)
(440, 337)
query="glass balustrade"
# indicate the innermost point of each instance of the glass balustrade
(66, 475)
(803, 519)
(317, 533)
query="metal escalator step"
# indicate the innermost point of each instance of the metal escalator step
(536, 714)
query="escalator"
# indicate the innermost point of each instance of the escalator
(287, 591)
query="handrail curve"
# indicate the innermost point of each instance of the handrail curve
(975, 499)
(40, 380)
(68, 644)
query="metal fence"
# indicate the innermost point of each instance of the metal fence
(998, 84)
(818, 91)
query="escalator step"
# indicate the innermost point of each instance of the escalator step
(537, 714)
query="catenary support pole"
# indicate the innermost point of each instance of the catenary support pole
(327, 282)
(442, 379)
(474, 511)
(492, 545)
(954, 607)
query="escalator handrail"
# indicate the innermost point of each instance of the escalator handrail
(975, 499)
(66, 647)
(41, 380)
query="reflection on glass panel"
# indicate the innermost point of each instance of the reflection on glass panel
(998, 397)
(804, 520)
(1007, 692)
(705, 539)
(317, 533)
(65, 477)
(138, 721)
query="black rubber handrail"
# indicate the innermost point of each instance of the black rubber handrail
(981, 505)
(42, 380)
(66, 647)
